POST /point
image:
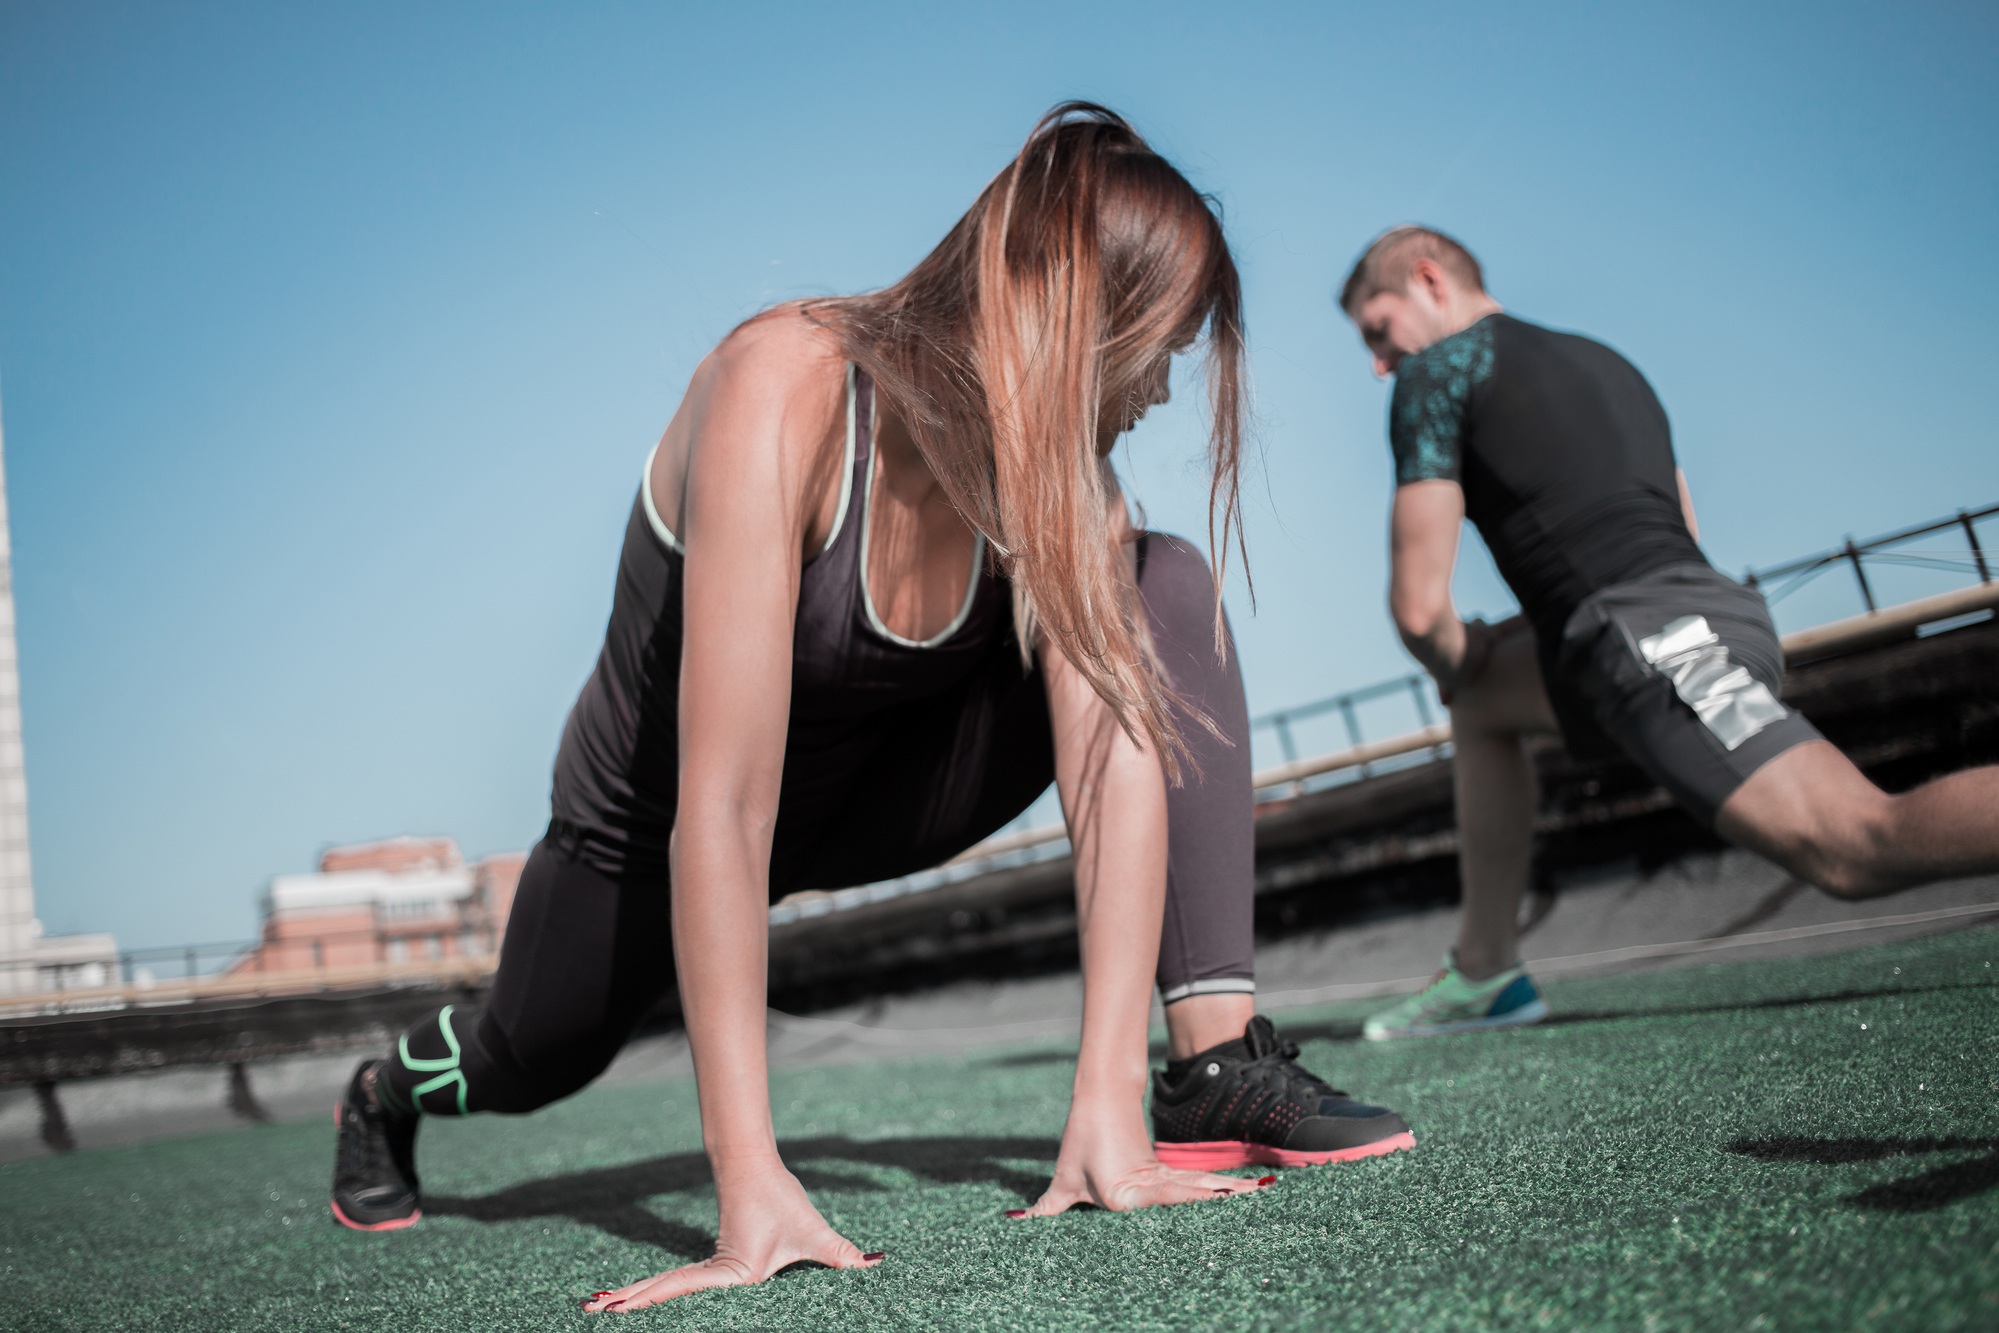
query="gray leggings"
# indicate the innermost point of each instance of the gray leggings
(588, 953)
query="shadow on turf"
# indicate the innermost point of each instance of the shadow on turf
(1924, 1193)
(612, 1199)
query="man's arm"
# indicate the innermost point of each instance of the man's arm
(1423, 532)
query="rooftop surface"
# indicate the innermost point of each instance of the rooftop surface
(1799, 1142)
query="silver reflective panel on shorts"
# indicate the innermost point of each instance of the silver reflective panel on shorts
(1733, 703)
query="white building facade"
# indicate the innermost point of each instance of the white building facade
(29, 960)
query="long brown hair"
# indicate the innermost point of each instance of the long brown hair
(1080, 268)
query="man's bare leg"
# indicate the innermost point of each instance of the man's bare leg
(1491, 720)
(1812, 812)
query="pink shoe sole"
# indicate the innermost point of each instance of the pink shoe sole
(1223, 1154)
(393, 1224)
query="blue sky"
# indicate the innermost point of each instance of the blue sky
(332, 337)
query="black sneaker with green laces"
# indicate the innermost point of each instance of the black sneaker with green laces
(374, 1165)
(1248, 1103)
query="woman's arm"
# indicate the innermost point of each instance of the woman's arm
(739, 602)
(757, 418)
(1114, 798)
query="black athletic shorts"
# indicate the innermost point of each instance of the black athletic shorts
(1678, 670)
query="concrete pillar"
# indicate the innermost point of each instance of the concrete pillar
(18, 931)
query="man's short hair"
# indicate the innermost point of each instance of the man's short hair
(1385, 265)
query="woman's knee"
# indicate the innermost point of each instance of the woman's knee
(513, 1077)
(1178, 586)
(1178, 592)
(549, 1071)
(517, 1091)
(521, 1097)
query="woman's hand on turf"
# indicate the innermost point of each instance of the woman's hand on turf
(767, 1224)
(1114, 798)
(1111, 1165)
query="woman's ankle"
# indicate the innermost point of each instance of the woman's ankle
(1202, 1022)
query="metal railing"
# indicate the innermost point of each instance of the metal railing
(1420, 688)
(1023, 846)
(1798, 573)
(59, 972)
(1853, 554)
(132, 963)
(454, 969)
(316, 951)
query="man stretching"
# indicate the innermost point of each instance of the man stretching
(1629, 641)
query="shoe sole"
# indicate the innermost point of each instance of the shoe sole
(1521, 1017)
(1222, 1154)
(393, 1224)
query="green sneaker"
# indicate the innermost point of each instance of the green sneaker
(1454, 1003)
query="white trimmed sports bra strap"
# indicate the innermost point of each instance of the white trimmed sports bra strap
(658, 524)
(867, 523)
(673, 543)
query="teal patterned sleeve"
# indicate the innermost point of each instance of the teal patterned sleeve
(1432, 403)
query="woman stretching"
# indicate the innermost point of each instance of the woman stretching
(878, 588)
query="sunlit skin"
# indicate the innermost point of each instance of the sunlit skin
(1433, 306)
(749, 469)
(1809, 810)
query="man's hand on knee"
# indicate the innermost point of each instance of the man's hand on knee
(1506, 693)
(1471, 664)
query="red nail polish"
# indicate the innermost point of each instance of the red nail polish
(878, 1254)
(599, 1295)
(1016, 1213)
(1267, 1180)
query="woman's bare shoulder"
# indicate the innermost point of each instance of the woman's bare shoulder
(778, 354)
(767, 402)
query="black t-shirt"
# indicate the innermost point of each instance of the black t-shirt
(1564, 454)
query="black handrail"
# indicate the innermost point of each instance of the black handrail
(1416, 683)
(1851, 551)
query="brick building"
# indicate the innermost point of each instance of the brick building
(398, 900)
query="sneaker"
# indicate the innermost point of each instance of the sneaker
(374, 1168)
(1455, 1003)
(1247, 1103)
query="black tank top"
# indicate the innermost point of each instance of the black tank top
(617, 774)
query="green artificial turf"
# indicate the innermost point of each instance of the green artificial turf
(1805, 1144)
